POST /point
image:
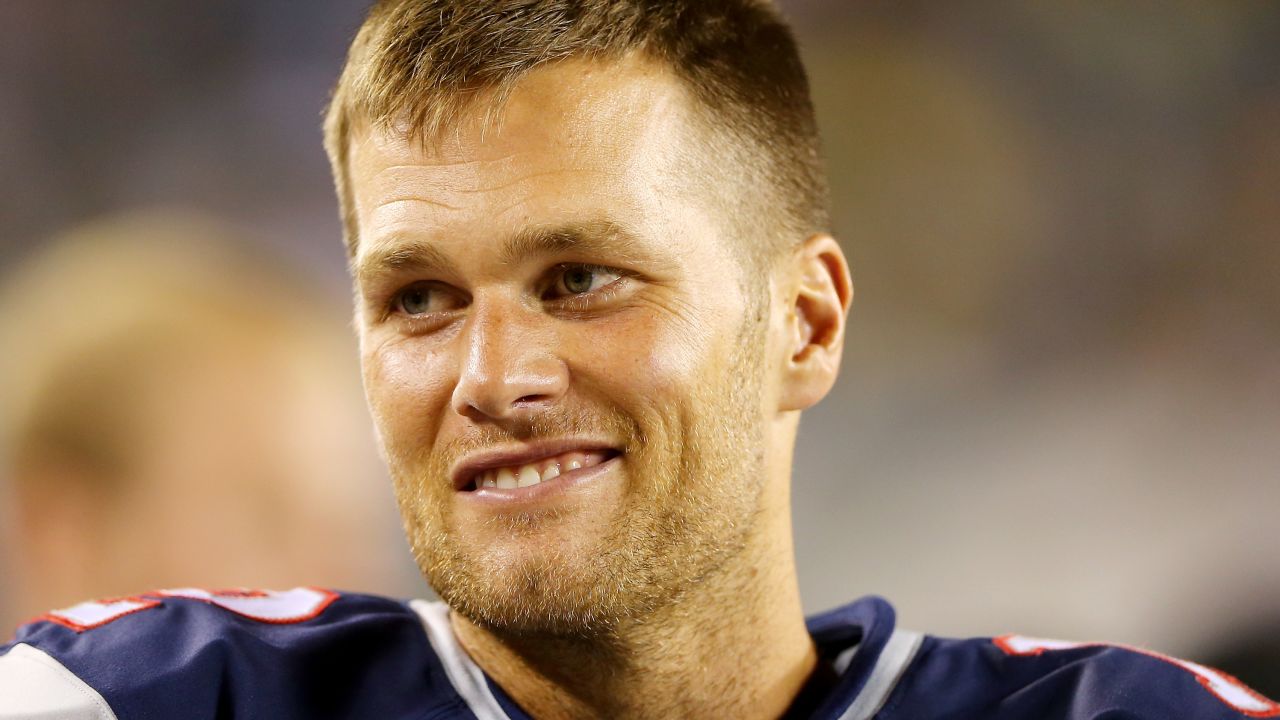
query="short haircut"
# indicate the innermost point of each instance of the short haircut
(416, 65)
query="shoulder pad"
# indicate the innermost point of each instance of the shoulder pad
(191, 653)
(1014, 677)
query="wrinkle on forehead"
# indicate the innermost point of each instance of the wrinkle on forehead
(391, 203)
(441, 196)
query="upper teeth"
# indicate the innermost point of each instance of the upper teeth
(518, 476)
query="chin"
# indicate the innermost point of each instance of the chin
(544, 594)
(564, 581)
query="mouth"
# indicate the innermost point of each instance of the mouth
(528, 467)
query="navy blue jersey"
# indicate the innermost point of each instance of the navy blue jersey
(312, 654)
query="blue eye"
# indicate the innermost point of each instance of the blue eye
(422, 298)
(577, 279)
(580, 279)
(415, 301)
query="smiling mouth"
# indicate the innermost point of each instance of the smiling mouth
(535, 472)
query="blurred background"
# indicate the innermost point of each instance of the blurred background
(1059, 412)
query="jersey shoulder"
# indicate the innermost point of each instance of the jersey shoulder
(1015, 677)
(193, 653)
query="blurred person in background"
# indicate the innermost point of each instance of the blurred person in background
(177, 410)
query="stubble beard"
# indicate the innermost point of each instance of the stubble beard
(689, 511)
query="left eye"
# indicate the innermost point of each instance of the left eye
(579, 279)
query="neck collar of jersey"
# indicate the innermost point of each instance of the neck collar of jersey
(860, 639)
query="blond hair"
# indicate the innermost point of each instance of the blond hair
(417, 65)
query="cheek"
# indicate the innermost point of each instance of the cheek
(643, 362)
(408, 387)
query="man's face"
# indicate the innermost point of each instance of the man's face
(558, 294)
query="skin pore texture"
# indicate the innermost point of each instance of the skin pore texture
(565, 279)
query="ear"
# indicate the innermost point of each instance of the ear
(818, 304)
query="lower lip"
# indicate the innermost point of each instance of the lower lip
(543, 490)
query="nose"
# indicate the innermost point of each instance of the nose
(511, 369)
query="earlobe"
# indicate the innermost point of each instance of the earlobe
(819, 304)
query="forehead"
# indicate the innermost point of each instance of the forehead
(573, 138)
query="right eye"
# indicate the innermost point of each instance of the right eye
(423, 299)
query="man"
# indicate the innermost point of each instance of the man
(595, 290)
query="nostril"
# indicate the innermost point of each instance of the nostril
(500, 385)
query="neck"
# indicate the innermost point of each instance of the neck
(733, 646)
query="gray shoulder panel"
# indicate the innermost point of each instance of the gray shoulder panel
(467, 677)
(34, 686)
(892, 663)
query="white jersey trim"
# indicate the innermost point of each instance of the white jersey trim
(467, 677)
(34, 686)
(845, 658)
(889, 668)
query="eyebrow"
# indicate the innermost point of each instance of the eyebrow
(603, 237)
(401, 256)
(598, 237)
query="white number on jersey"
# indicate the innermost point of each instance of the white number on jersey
(268, 606)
